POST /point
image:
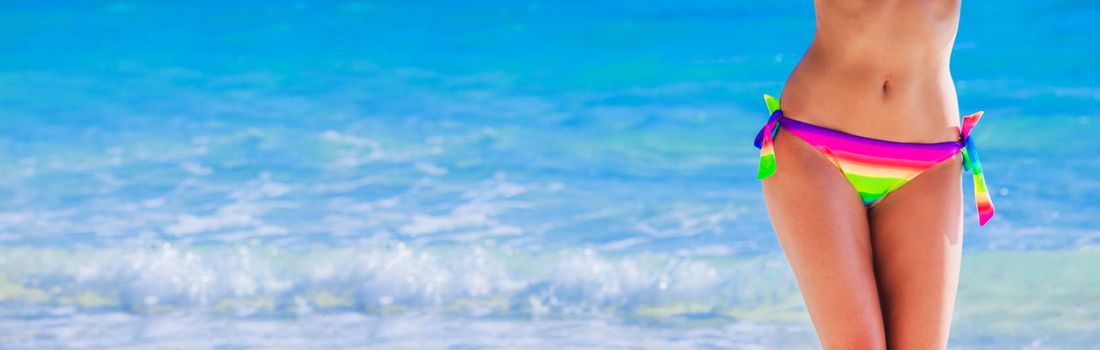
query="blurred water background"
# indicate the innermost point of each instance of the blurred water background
(193, 174)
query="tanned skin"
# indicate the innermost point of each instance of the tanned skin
(886, 276)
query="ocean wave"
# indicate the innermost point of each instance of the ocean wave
(477, 280)
(55, 290)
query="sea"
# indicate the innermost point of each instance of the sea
(486, 175)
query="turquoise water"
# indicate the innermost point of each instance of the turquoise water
(484, 175)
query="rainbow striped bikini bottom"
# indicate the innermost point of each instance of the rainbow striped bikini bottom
(876, 167)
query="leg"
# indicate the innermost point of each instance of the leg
(822, 225)
(916, 232)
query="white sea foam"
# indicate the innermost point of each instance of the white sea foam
(468, 279)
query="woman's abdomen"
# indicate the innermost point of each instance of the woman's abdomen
(878, 92)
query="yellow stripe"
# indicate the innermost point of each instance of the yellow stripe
(877, 170)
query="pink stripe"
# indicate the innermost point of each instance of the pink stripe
(918, 164)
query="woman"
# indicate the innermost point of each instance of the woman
(861, 173)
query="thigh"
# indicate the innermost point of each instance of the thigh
(822, 226)
(916, 232)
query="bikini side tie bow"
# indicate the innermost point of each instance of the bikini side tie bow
(971, 163)
(764, 139)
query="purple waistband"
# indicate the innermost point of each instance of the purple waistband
(792, 124)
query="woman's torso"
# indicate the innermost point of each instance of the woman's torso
(879, 68)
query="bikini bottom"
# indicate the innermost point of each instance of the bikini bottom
(874, 167)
